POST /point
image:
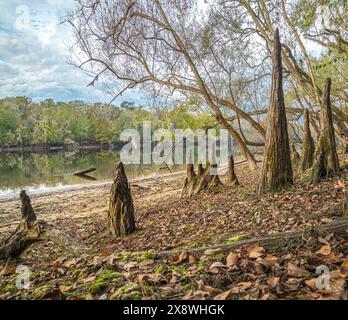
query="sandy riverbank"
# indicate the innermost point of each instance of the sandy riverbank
(164, 220)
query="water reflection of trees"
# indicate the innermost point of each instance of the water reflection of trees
(22, 170)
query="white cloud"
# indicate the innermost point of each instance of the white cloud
(34, 53)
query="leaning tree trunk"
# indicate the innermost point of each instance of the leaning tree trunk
(121, 208)
(308, 144)
(276, 172)
(231, 175)
(326, 162)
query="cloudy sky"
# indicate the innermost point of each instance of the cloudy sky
(34, 53)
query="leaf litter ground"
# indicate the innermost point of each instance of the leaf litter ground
(128, 269)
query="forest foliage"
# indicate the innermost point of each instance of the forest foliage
(24, 122)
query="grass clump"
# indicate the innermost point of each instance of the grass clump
(130, 291)
(235, 239)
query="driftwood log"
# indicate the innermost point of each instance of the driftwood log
(30, 230)
(84, 172)
(121, 208)
(273, 242)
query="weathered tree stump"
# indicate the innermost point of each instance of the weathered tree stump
(30, 231)
(121, 208)
(28, 215)
(231, 175)
(276, 171)
(308, 147)
(326, 162)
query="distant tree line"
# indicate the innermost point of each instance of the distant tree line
(26, 123)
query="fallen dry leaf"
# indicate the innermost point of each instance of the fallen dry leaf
(7, 270)
(295, 271)
(223, 296)
(273, 281)
(152, 278)
(256, 253)
(64, 288)
(130, 265)
(324, 251)
(90, 278)
(146, 263)
(183, 256)
(271, 260)
(216, 266)
(312, 283)
(345, 264)
(232, 260)
(244, 285)
(55, 294)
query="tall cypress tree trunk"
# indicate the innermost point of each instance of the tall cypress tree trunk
(121, 208)
(308, 144)
(326, 162)
(276, 172)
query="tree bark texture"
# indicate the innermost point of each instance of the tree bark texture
(276, 171)
(121, 208)
(326, 163)
(308, 147)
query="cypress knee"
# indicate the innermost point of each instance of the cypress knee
(308, 144)
(190, 181)
(121, 208)
(326, 162)
(276, 171)
(204, 180)
(232, 177)
(295, 157)
(28, 214)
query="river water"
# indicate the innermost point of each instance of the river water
(42, 171)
